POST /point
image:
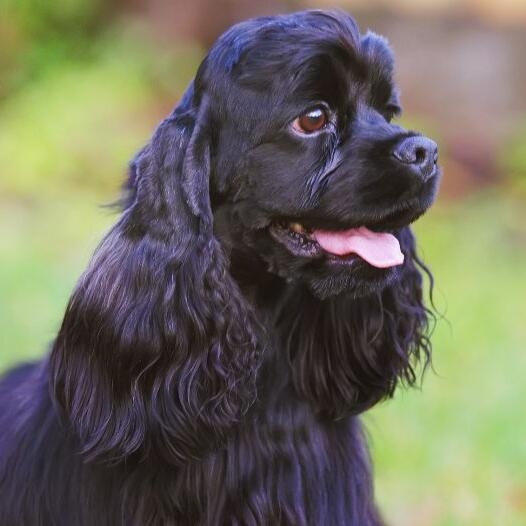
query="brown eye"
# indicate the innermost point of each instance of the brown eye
(312, 121)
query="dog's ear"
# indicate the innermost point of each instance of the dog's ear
(349, 353)
(158, 349)
(377, 51)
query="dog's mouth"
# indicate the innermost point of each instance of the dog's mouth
(378, 249)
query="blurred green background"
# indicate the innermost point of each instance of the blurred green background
(82, 84)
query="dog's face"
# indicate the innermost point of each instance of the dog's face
(309, 174)
(280, 160)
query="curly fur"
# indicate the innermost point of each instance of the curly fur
(203, 375)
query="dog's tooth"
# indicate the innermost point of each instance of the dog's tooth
(297, 227)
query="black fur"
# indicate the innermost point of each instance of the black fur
(205, 373)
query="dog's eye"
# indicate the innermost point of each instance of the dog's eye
(312, 121)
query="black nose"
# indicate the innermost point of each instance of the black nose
(419, 153)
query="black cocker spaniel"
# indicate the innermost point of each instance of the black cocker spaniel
(259, 291)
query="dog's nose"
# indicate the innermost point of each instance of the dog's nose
(419, 153)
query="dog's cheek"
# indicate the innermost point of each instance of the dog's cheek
(276, 179)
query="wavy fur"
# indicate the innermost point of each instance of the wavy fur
(202, 374)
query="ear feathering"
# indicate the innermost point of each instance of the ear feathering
(158, 350)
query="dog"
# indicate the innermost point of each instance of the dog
(260, 290)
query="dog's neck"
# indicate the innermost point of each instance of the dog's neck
(342, 354)
(296, 335)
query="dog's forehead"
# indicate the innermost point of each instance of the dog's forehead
(307, 54)
(277, 37)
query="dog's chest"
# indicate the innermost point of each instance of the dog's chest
(285, 468)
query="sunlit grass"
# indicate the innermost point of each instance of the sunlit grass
(43, 248)
(454, 453)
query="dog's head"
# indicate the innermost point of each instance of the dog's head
(281, 154)
(309, 173)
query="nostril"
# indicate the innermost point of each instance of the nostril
(420, 155)
(416, 150)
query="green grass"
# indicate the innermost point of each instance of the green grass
(455, 453)
(43, 248)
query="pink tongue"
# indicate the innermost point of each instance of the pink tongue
(378, 249)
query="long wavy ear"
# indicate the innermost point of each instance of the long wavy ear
(347, 354)
(158, 350)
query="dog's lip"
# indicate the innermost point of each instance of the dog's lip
(296, 239)
(296, 233)
(390, 222)
(394, 221)
(306, 243)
